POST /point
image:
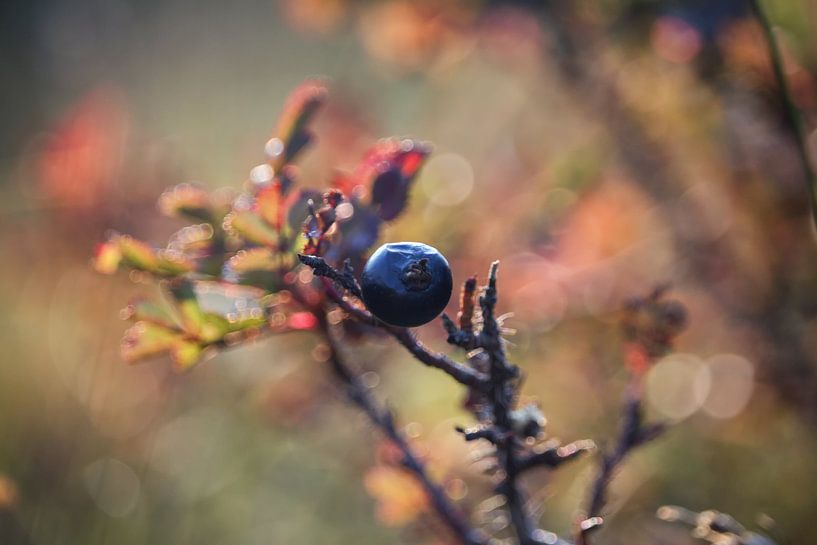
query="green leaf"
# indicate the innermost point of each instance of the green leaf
(252, 228)
(130, 252)
(192, 317)
(230, 308)
(172, 263)
(137, 254)
(258, 267)
(185, 355)
(107, 257)
(145, 340)
(246, 320)
(193, 202)
(141, 309)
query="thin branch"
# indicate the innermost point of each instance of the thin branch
(502, 423)
(345, 278)
(632, 434)
(460, 372)
(457, 336)
(497, 384)
(793, 118)
(555, 456)
(465, 317)
(381, 417)
(501, 396)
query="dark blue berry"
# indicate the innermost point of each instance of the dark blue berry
(406, 284)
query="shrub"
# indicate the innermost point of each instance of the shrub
(278, 257)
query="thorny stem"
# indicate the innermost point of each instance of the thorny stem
(384, 419)
(793, 119)
(632, 433)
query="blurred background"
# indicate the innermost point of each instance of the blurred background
(598, 148)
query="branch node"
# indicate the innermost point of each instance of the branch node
(346, 278)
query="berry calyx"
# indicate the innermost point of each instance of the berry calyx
(417, 276)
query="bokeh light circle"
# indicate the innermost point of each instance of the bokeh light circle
(447, 179)
(678, 385)
(733, 380)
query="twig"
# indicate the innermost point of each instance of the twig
(496, 384)
(461, 373)
(345, 278)
(501, 396)
(555, 456)
(384, 419)
(502, 423)
(465, 317)
(633, 433)
(793, 118)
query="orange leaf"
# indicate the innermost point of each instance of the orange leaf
(400, 497)
(107, 257)
(270, 204)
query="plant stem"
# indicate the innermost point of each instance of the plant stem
(503, 375)
(632, 433)
(381, 417)
(497, 384)
(461, 373)
(792, 114)
(611, 460)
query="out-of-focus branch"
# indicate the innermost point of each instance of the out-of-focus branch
(383, 418)
(554, 456)
(632, 434)
(578, 46)
(792, 114)
(713, 526)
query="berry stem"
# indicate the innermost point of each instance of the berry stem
(463, 374)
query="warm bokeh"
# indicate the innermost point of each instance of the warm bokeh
(598, 149)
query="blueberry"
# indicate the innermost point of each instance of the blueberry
(406, 284)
